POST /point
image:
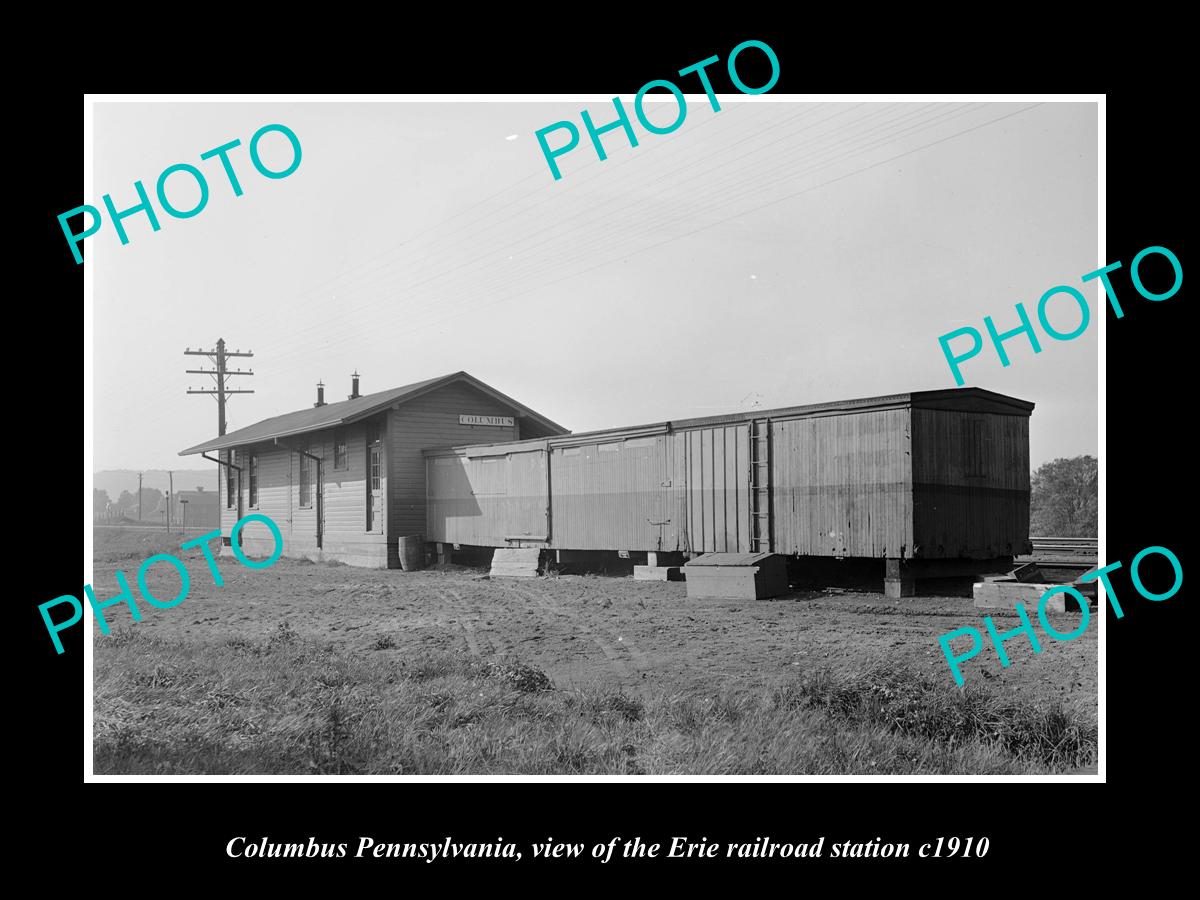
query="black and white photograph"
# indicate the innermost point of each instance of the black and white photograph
(694, 433)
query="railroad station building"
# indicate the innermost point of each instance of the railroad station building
(345, 481)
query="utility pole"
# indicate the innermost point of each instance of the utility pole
(218, 355)
(139, 497)
(170, 497)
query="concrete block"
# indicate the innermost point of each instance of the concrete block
(899, 587)
(657, 573)
(1006, 594)
(515, 562)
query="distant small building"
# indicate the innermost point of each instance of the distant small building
(196, 509)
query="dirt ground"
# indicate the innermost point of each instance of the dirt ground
(587, 629)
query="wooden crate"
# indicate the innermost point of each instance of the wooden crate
(736, 576)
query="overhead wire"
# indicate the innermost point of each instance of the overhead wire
(340, 281)
(439, 317)
(742, 213)
(555, 228)
(734, 182)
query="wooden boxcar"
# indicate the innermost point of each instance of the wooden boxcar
(929, 475)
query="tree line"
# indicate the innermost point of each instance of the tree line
(1064, 498)
(104, 509)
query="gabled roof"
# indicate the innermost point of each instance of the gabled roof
(330, 415)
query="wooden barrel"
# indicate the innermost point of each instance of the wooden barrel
(412, 553)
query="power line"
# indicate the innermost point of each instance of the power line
(450, 248)
(646, 227)
(471, 291)
(339, 282)
(766, 178)
(555, 229)
(738, 215)
(574, 187)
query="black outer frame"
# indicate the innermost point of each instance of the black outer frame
(1147, 480)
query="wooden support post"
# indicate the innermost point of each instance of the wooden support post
(898, 579)
(442, 555)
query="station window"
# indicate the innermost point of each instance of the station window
(305, 480)
(231, 480)
(340, 456)
(253, 467)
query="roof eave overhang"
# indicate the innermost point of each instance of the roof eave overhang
(262, 438)
(220, 444)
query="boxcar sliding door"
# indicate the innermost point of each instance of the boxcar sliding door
(714, 467)
(488, 495)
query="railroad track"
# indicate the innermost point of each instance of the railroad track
(1065, 545)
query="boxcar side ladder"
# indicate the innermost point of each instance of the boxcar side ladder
(760, 486)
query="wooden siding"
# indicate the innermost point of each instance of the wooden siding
(426, 422)
(948, 480)
(228, 516)
(970, 484)
(842, 485)
(343, 507)
(712, 469)
(482, 500)
(614, 495)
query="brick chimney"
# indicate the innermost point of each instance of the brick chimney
(354, 394)
(320, 394)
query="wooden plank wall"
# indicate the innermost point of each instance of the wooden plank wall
(609, 495)
(842, 484)
(228, 513)
(712, 466)
(344, 501)
(482, 500)
(424, 423)
(970, 483)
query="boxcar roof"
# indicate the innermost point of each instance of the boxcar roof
(317, 418)
(962, 399)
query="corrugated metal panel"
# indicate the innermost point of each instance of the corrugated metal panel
(970, 483)
(713, 468)
(484, 500)
(842, 485)
(614, 495)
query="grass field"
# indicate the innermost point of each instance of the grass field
(310, 668)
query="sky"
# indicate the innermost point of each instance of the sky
(774, 253)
